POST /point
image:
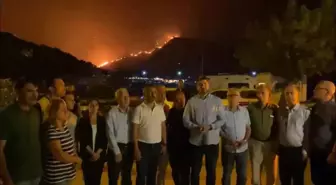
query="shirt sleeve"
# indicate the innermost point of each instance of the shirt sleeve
(223, 127)
(220, 116)
(162, 115)
(53, 134)
(136, 115)
(4, 127)
(247, 117)
(111, 134)
(306, 114)
(187, 117)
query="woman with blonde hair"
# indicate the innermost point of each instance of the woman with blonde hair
(61, 157)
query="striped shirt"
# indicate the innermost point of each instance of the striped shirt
(57, 171)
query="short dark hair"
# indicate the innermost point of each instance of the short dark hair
(264, 86)
(147, 86)
(203, 77)
(51, 81)
(20, 83)
(295, 85)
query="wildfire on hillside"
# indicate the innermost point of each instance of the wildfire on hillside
(148, 52)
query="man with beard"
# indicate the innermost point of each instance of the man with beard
(204, 116)
(20, 153)
(149, 135)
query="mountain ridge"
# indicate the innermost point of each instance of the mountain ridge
(24, 58)
(182, 54)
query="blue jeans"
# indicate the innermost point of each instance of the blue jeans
(228, 160)
(29, 182)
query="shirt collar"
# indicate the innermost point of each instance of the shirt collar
(238, 108)
(145, 105)
(203, 97)
(296, 107)
(162, 104)
(123, 111)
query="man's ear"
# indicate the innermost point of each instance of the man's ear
(51, 89)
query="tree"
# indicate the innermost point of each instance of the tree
(299, 42)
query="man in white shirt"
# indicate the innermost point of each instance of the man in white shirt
(292, 157)
(149, 134)
(120, 158)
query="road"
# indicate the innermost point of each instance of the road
(169, 181)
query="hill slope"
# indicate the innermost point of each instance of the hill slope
(185, 55)
(21, 58)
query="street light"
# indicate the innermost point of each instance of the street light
(254, 73)
(144, 73)
(179, 73)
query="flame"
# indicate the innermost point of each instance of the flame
(148, 52)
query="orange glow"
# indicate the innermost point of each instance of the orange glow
(148, 52)
(103, 64)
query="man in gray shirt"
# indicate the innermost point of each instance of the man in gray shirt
(204, 116)
(321, 135)
(120, 158)
(292, 157)
(235, 134)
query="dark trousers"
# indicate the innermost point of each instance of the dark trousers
(211, 155)
(179, 159)
(92, 171)
(321, 172)
(291, 165)
(148, 164)
(228, 160)
(124, 167)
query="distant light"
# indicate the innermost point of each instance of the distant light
(254, 73)
(144, 73)
(179, 73)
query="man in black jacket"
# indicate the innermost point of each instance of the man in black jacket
(178, 142)
(321, 135)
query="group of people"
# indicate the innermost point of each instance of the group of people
(42, 142)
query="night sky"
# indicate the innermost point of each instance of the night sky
(99, 30)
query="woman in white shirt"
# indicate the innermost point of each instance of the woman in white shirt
(92, 141)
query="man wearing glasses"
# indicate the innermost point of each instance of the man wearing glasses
(321, 135)
(235, 134)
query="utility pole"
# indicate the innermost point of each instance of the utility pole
(1, 15)
(202, 64)
(202, 58)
